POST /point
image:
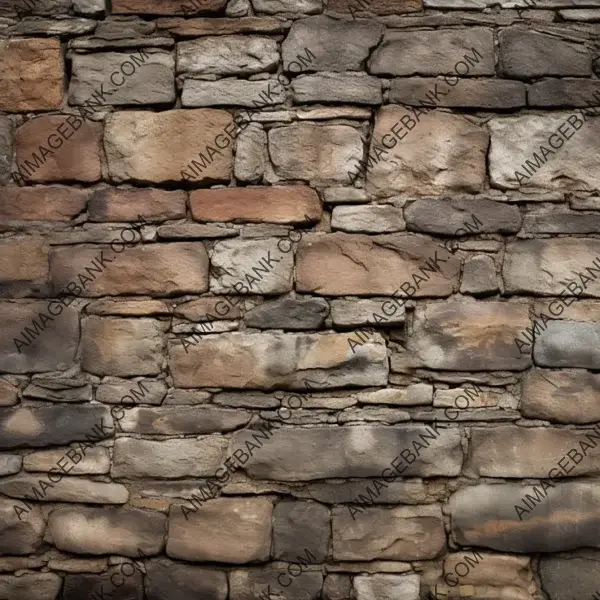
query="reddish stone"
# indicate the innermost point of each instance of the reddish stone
(52, 203)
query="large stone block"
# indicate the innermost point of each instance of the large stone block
(572, 577)
(230, 91)
(169, 580)
(249, 584)
(355, 88)
(568, 344)
(33, 586)
(271, 360)
(23, 258)
(82, 585)
(44, 203)
(21, 532)
(166, 7)
(387, 587)
(243, 526)
(339, 264)
(301, 312)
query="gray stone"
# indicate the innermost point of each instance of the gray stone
(152, 82)
(324, 36)
(352, 88)
(570, 578)
(387, 587)
(251, 157)
(21, 531)
(232, 92)
(301, 312)
(10, 464)
(237, 8)
(301, 529)
(59, 390)
(435, 52)
(169, 459)
(561, 222)
(272, 7)
(580, 14)
(563, 93)
(479, 275)
(227, 55)
(337, 587)
(374, 218)
(568, 344)
(95, 461)
(89, 7)
(28, 426)
(344, 195)
(115, 391)
(525, 54)
(396, 492)
(33, 586)
(9, 394)
(6, 148)
(361, 311)
(83, 585)
(249, 584)
(122, 530)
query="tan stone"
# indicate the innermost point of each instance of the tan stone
(128, 308)
(166, 7)
(220, 26)
(160, 146)
(270, 204)
(31, 74)
(96, 461)
(51, 203)
(378, 7)
(23, 259)
(496, 569)
(8, 393)
(20, 531)
(205, 309)
(33, 586)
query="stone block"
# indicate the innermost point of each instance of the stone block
(568, 344)
(170, 580)
(21, 531)
(352, 88)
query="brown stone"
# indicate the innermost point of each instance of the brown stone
(178, 138)
(31, 74)
(378, 7)
(20, 531)
(8, 393)
(205, 309)
(78, 158)
(276, 204)
(166, 7)
(33, 586)
(23, 259)
(51, 203)
(96, 461)
(218, 26)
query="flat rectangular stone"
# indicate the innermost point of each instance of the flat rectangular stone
(568, 344)
(561, 222)
(361, 311)
(23, 258)
(43, 203)
(96, 461)
(563, 93)
(351, 88)
(166, 7)
(232, 92)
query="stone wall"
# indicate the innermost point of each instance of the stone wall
(299, 300)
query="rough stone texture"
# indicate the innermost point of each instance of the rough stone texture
(248, 584)
(232, 92)
(6, 153)
(166, 7)
(51, 203)
(251, 158)
(479, 275)
(292, 314)
(570, 578)
(80, 585)
(357, 88)
(568, 344)
(387, 587)
(369, 219)
(20, 533)
(96, 461)
(553, 93)
(34, 586)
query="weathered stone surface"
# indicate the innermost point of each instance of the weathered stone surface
(122, 347)
(134, 458)
(153, 81)
(169, 580)
(525, 54)
(378, 218)
(248, 584)
(52, 203)
(542, 266)
(416, 394)
(178, 137)
(469, 336)
(115, 391)
(166, 7)
(20, 532)
(566, 518)
(10, 464)
(77, 160)
(59, 390)
(294, 314)
(448, 216)
(307, 7)
(6, 155)
(33, 586)
(359, 311)
(301, 529)
(337, 587)
(339, 264)
(127, 204)
(325, 452)
(251, 157)
(561, 222)
(568, 578)
(555, 93)
(8, 392)
(400, 533)
(441, 152)
(260, 204)
(205, 308)
(571, 396)
(355, 88)
(479, 275)
(232, 92)
(220, 26)
(570, 165)
(162, 269)
(244, 526)
(32, 75)
(435, 52)
(120, 530)
(230, 55)
(95, 461)
(324, 36)
(320, 154)
(387, 587)
(23, 259)
(81, 585)
(33, 427)
(195, 230)
(270, 360)
(378, 7)
(568, 344)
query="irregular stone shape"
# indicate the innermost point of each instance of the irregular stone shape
(271, 360)
(525, 54)
(479, 275)
(377, 218)
(322, 37)
(244, 526)
(350, 313)
(32, 75)
(33, 586)
(569, 166)
(387, 587)
(220, 26)
(447, 216)
(561, 222)
(445, 152)
(377, 7)
(352, 88)
(251, 157)
(230, 55)
(95, 461)
(232, 92)
(498, 451)
(491, 94)
(23, 259)
(541, 266)
(178, 137)
(6, 155)
(153, 81)
(469, 336)
(122, 347)
(205, 309)
(68, 489)
(125, 204)
(272, 7)
(293, 314)
(401, 533)
(76, 158)
(20, 532)
(51, 203)
(564, 396)
(82, 585)
(166, 7)
(570, 578)
(169, 580)
(318, 154)
(135, 458)
(195, 230)
(260, 204)
(10, 464)
(259, 266)
(337, 587)
(301, 529)
(563, 93)
(568, 344)
(33, 427)
(9, 393)
(565, 519)
(249, 584)
(161, 269)
(339, 264)
(301, 454)
(111, 530)
(59, 390)
(435, 52)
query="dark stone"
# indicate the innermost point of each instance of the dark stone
(83, 585)
(294, 314)
(568, 344)
(571, 578)
(562, 222)
(559, 93)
